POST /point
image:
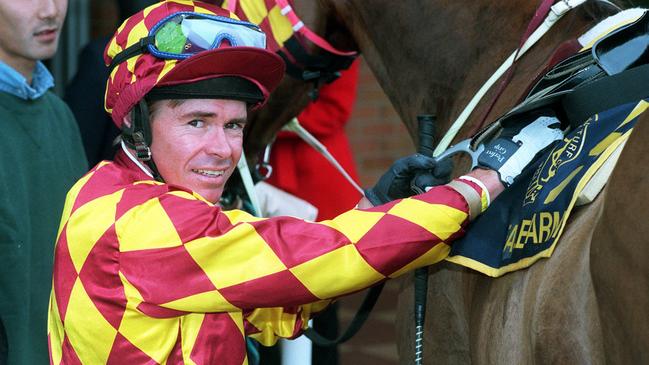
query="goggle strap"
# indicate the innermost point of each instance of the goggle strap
(132, 51)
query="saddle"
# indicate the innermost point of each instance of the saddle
(580, 85)
(624, 48)
(618, 61)
(599, 93)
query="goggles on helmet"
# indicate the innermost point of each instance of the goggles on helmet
(184, 34)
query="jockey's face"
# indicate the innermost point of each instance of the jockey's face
(197, 142)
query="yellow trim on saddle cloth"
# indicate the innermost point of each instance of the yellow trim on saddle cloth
(546, 227)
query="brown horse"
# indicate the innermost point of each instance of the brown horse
(589, 303)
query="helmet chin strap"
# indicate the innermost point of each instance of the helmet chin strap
(130, 156)
(138, 137)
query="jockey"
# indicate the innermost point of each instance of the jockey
(149, 268)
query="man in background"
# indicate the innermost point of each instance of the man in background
(85, 92)
(40, 158)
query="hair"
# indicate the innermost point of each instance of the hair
(130, 7)
(154, 106)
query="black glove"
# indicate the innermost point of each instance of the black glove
(413, 172)
(518, 145)
(439, 175)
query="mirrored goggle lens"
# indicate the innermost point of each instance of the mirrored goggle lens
(186, 34)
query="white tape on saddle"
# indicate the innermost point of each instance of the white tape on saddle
(597, 182)
(532, 139)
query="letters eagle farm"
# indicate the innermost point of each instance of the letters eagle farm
(545, 225)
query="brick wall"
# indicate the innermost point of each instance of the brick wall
(375, 130)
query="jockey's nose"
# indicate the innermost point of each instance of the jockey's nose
(218, 143)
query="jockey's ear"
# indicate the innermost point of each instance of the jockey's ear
(126, 121)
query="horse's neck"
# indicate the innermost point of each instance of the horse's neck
(442, 52)
(563, 36)
(425, 56)
(525, 71)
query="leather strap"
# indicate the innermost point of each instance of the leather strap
(471, 196)
(556, 12)
(356, 323)
(298, 26)
(606, 93)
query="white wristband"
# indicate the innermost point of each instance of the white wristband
(480, 184)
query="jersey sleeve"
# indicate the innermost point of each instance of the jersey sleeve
(267, 325)
(180, 254)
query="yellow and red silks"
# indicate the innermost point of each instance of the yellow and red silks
(147, 272)
(267, 15)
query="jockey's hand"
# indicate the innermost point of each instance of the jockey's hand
(439, 175)
(518, 144)
(406, 173)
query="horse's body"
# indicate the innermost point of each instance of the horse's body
(589, 303)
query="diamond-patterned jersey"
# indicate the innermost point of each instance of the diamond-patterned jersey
(147, 272)
(267, 14)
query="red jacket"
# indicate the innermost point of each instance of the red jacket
(304, 172)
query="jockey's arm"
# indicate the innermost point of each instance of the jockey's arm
(502, 160)
(489, 178)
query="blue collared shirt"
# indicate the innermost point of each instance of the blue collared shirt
(12, 82)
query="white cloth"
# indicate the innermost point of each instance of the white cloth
(605, 26)
(276, 202)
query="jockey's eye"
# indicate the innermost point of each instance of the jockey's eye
(197, 123)
(235, 125)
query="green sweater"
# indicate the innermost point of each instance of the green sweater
(41, 156)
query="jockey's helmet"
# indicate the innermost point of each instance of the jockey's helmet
(180, 49)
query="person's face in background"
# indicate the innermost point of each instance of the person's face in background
(29, 32)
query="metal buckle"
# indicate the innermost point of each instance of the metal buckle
(143, 151)
(265, 164)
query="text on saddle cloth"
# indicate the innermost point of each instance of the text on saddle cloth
(532, 214)
(526, 221)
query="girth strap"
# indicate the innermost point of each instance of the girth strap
(606, 93)
(356, 323)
